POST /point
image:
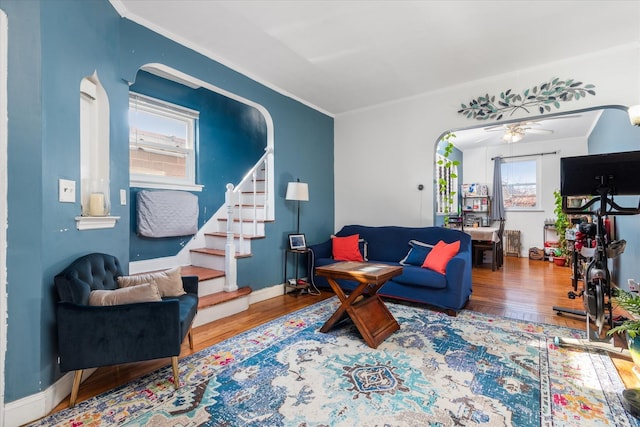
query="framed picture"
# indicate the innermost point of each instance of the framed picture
(296, 241)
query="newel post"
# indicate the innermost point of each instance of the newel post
(230, 267)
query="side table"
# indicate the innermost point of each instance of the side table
(297, 284)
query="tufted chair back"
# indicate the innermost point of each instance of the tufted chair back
(88, 273)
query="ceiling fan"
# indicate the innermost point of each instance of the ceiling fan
(515, 132)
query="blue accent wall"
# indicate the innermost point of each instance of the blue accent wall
(47, 61)
(232, 136)
(52, 46)
(26, 293)
(613, 133)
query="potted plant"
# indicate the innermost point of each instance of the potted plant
(561, 224)
(560, 257)
(629, 301)
(443, 184)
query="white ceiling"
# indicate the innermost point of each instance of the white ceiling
(340, 56)
(560, 127)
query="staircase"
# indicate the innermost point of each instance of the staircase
(212, 254)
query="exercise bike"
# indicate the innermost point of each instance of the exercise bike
(597, 291)
(602, 176)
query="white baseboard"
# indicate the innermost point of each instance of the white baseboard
(266, 293)
(35, 406)
(31, 408)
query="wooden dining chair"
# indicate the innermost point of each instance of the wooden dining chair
(496, 248)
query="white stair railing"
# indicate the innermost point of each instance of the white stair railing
(233, 196)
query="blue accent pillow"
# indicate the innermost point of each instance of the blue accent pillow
(417, 253)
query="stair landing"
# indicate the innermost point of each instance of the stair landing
(203, 274)
(219, 252)
(222, 297)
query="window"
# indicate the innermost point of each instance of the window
(161, 143)
(520, 184)
(447, 183)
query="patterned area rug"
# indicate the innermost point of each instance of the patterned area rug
(435, 371)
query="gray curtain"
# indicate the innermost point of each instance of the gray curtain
(497, 204)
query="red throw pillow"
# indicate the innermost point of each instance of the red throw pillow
(440, 255)
(346, 248)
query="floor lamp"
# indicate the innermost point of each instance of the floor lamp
(298, 191)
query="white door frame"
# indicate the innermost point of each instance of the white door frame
(3, 204)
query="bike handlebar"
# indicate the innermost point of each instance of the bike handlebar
(615, 208)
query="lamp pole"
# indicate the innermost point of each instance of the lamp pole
(298, 223)
(298, 191)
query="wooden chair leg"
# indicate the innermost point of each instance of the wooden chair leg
(190, 335)
(477, 256)
(494, 258)
(77, 377)
(176, 374)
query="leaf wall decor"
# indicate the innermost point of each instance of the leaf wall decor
(542, 97)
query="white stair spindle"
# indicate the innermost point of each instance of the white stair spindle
(255, 208)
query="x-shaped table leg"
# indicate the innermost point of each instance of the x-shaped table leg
(372, 318)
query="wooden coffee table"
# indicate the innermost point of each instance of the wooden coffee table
(364, 306)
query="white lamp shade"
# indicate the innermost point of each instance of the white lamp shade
(634, 115)
(297, 191)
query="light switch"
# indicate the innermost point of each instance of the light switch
(66, 191)
(123, 197)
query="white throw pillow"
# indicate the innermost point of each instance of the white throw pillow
(146, 292)
(169, 282)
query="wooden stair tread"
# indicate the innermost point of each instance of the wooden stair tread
(246, 220)
(221, 297)
(235, 235)
(218, 252)
(202, 272)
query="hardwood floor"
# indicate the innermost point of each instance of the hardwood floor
(521, 289)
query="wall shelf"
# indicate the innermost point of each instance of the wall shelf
(96, 222)
(475, 209)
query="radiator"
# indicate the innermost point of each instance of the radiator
(512, 243)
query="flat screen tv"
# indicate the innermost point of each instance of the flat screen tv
(586, 175)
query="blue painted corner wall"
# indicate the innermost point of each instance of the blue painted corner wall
(613, 133)
(47, 61)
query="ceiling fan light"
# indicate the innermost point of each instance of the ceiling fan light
(512, 135)
(517, 137)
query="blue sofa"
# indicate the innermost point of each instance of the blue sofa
(389, 245)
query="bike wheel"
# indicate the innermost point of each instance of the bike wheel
(594, 303)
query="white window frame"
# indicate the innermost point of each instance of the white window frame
(453, 186)
(538, 183)
(176, 112)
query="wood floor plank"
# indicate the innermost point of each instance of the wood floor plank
(521, 289)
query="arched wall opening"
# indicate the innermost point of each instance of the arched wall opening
(610, 131)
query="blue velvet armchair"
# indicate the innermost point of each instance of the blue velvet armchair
(93, 336)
